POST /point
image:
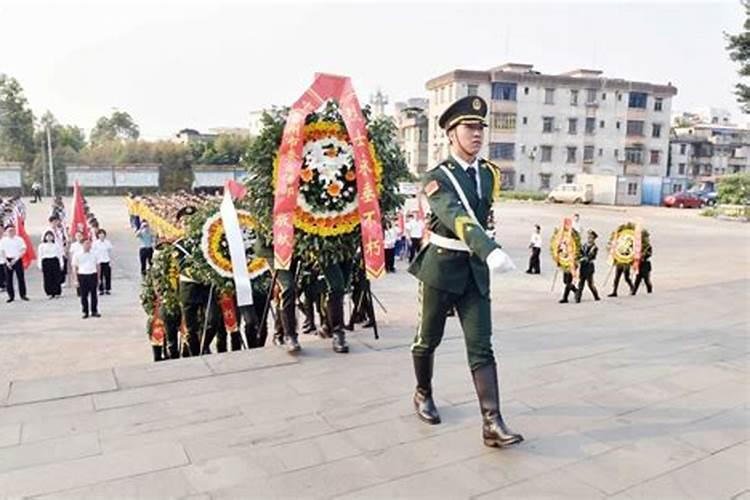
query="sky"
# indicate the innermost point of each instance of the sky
(203, 64)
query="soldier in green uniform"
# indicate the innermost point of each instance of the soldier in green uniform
(454, 268)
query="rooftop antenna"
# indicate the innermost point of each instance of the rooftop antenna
(378, 102)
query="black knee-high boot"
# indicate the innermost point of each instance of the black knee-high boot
(423, 402)
(335, 318)
(494, 431)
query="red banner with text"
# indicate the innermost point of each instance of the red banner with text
(340, 89)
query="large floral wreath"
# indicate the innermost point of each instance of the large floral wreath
(327, 198)
(208, 260)
(622, 244)
(216, 249)
(566, 248)
(326, 217)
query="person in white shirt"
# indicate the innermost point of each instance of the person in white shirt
(535, 245)
(12, 248)
(86, 270)
(61, 240)
(50, 261)
(389, 243)
(577, 224)
(103, 249)
(415, 230)
(2, 258)
(75, 248)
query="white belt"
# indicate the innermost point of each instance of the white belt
(449, 243)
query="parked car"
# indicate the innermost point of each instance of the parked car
(572, 193)
(684, 199)
(708, 196)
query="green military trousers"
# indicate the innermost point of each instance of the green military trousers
(476, 321)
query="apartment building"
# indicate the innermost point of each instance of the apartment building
(412, 122)
(546, 129)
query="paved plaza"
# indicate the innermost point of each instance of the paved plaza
(633, 397)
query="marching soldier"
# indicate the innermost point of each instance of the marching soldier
(620, 271)
(454, 268)
(644, 271)
(586, 273)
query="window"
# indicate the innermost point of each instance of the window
(588, 153)
(522, 178)
(681, 169)
(544, 180)
(549, 96)
(655, 157)
(619, 96)
(502, 150)
(604, 96)
(546, 154)
(548, 122)
(526, 91)
(655, 130)
(658, 103)
(683, 147)
(635, 128)
(676, 188)
(590, 96)
(601, 123)
(574, 97)
(637, 100)
(617, 125)
(523, 148)
(472, 89)
(525, 120)
(617, 153)
(632, 188)
(572, 126)
(569, 178)
(590, 125)
(571, 158)
(502, 91)
(634, 155)
(504, 121)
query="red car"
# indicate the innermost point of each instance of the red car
(684, 199)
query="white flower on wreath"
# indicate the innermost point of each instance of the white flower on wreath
(329, 156)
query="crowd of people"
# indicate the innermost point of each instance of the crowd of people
(76, 253)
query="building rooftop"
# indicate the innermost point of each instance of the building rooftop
(524, 73)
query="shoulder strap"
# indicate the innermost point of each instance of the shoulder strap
(460, 193)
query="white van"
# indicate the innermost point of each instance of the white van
(572, 193)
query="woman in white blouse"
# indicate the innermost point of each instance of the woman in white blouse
(50, 262)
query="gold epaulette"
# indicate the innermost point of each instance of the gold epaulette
(496, 177)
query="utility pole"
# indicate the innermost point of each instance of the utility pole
(51, 167)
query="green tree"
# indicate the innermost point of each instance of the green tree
(176, 168)
(739, 51)
(734, 189)
(66, 141)
(16, 122)
(119, 126)
(72, 137)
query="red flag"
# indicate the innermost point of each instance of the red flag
(79, 222)
(30, 255)
(401, 226)
(236, 190)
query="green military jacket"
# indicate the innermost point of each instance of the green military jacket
(451, 270)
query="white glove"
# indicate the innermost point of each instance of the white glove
(500, 262)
